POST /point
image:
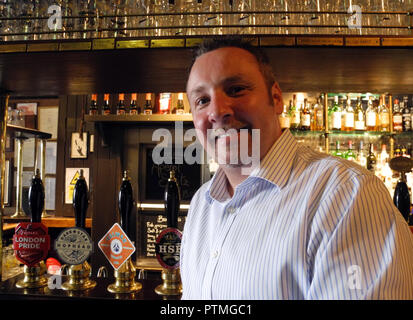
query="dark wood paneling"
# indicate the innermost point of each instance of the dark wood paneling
(100, 71)
(70, 113)
(343, 69)
(106, 180)
(161, 70)
(60, 166)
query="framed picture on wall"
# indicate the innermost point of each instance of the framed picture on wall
(47, 120)
(78, 146)
(28, 108)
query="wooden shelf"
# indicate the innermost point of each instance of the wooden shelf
(27, 133)
(301, 64)
(140, 118)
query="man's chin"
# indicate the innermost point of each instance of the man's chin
(227, 163)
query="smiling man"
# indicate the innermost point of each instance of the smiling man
(301, 224)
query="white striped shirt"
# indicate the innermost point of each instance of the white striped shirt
(305, 225)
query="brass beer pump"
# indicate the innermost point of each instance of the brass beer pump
(79, 274)
(171, 285)
(34, 276)
(125, 275)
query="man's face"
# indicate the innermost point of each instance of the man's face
(226, 90)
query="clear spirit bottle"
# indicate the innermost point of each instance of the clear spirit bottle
(371, 116)
(349, 116)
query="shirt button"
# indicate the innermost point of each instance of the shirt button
(231, 210)
(215, 254)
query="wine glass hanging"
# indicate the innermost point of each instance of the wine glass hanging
(86, 19)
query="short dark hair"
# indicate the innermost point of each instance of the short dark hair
(211, 44)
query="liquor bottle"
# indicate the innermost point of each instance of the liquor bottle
(93, 109)
(305, 116)
(165, 103)
(120, 108)
(125, 203)
(371, 116)
(406, 116)
(318, 116)
(371, 159)
(361, 157)
(295, 114)
(284, 118)
(398, 151)
(106, 107)
(337, 152)
(36, 197)
(350, 154)
(311, 109)
(383, 156)
(180, 104)
(376, 105)
(409, 149)
(172, 200)
(336, 117)
(397, 117)
(348, 124)
(133, 108)
(384, 115)
(404, 152)
(359, 121)
(148, 104)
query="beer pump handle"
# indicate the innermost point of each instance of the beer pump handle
(172, 201)
(80, 201)
(125, 203)
(401, 196)
(36, 198)
(401, 199)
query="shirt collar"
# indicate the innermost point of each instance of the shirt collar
(274, 167)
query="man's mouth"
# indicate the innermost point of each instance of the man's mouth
(228, 133)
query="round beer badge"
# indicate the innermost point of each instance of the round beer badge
(31, 242)
(73, 245)
(168, 248)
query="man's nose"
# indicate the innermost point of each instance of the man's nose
(220, 109)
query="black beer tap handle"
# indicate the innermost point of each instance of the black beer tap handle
(36, 198)
(172, 201)
(125, 203)
(401, 199)
(80, 201)
(401, 196)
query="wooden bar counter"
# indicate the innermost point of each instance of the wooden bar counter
(50, 222)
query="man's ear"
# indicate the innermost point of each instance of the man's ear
(277, 98)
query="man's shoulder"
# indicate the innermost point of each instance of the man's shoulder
(325, 165)
(201, 193)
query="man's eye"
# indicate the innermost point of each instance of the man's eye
(201, 101)
(234, 90)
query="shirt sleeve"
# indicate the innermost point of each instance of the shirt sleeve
(359, 246)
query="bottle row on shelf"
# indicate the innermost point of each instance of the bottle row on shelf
(162, 104)
(348, 113)
(345, 113)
